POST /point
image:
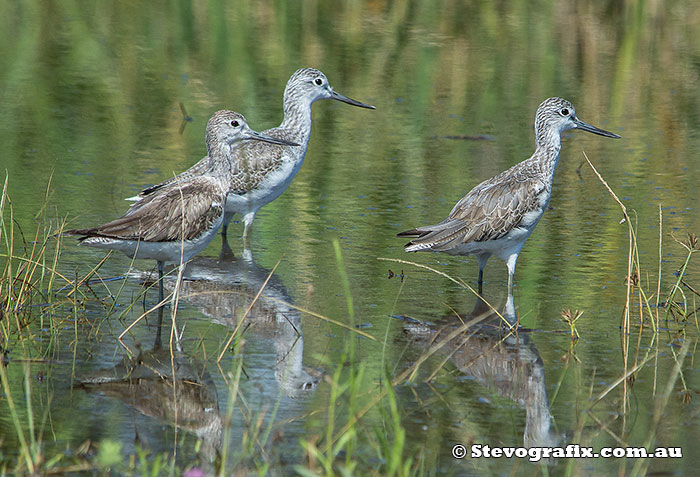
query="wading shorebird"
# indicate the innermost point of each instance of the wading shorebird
(262, 172)
(176, 222)
(497, 216)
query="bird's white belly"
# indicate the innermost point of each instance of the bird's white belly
(274, 184)
(168, 252)
(504, 247)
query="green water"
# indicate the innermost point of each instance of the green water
(91, 96)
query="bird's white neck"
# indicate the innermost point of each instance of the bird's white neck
(297, 120)
(297, 114)
(221, 160)
(547, 138)
(548, 142)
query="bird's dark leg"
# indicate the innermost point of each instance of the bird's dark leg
(482, 259)
(227, 220)
(160, 308)
(160, 282)
(157, 343)
(226, 254)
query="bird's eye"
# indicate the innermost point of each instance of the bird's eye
(564, 112)
(318, 81)
(235, 123)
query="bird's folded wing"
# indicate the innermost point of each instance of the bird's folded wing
(494, 207)
(169, 214)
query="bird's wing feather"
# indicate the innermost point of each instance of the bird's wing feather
(488, 212)
(164, 215)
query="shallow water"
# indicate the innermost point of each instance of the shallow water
(92, 96)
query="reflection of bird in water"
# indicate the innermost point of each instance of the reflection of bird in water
(507, 364)
(146, 382)
(223, 292)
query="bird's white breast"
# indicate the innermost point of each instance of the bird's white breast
(271, 187)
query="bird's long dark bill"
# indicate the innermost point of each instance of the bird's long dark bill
(345, 99)
(587, 127)
(256, 136)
